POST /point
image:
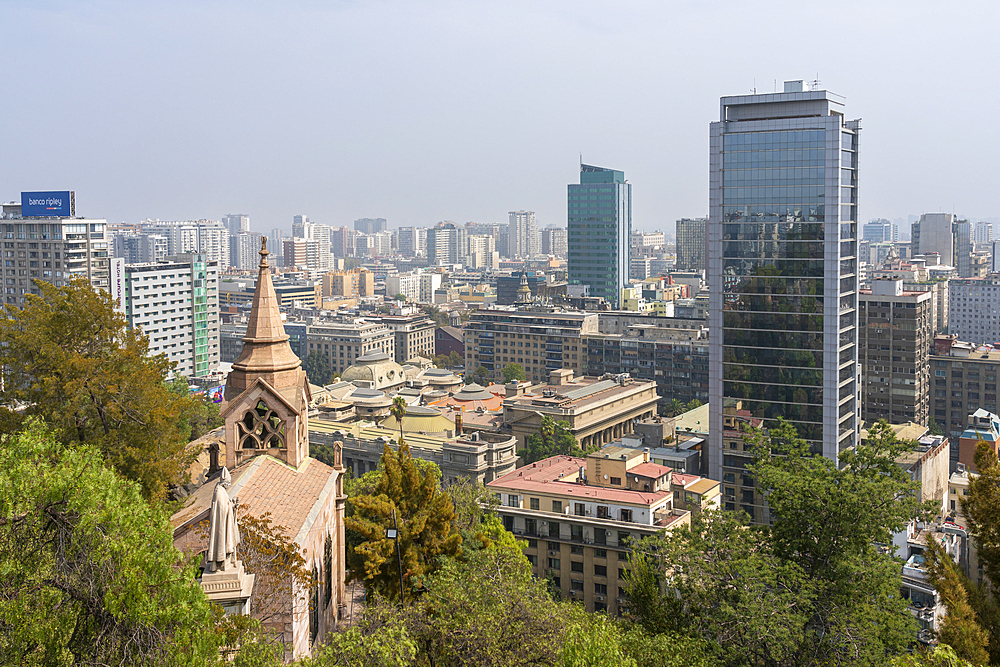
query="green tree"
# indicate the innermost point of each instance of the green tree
(941, 655)
(455, 359)
(693, 404)
(487, 610)
(810, 589)
(981, 508)
(674, 408)
(398, 410)
(482, 376)
(317, 368)
(90, 573)
(424, 514)
(512, 372)
(433, 312)
(380, 640)
(204, 414)
(400, 297)
(553, 438)
(70, 359)
(933, 427)
(959, 629)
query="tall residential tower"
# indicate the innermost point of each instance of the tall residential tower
(600, 226)
(782, 273)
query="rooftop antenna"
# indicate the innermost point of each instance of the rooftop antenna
(753, 91)
(815, 82)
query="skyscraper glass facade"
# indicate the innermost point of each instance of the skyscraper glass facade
(783, 270)
(599, 228)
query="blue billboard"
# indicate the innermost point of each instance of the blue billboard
(56, 204)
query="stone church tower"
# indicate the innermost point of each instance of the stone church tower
(265, 409)
(267, 394)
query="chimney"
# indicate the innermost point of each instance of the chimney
(458, 423)
(645, 455)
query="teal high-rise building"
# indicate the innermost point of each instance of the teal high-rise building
(599, 229)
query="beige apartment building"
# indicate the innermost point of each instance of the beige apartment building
(599, 410)
(964, 379)
(581, 516)
(414, 335)
(894, 339)
(539, 339)
(345, 339)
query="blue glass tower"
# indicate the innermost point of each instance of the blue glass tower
(782, 273)
(599, 228)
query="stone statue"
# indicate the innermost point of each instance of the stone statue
(223, 533)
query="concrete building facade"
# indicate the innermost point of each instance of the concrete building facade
(580, 517)
(691, 244)
(894, 340)
(55, 250)
(540, 340)
(974, 309)
(175, 302)
(347, 338)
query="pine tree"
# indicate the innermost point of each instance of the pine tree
(424, 516)
(959, 629)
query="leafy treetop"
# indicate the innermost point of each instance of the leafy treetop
(71, 360)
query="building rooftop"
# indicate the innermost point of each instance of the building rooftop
(578, 394)
(693, 421)
(559, 475)
(265, 484)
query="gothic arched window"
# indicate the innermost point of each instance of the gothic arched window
(261, 428)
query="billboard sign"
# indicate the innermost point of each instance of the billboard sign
(52, 204)
(116, 283)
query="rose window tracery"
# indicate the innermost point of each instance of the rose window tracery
(261, 428)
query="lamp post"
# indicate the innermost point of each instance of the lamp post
(393, 534)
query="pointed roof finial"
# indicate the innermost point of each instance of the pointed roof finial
(263, 253)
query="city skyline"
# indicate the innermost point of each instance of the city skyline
(366, 110)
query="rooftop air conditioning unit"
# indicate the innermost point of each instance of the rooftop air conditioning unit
(599, 598)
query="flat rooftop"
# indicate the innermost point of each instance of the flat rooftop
(694, 421)
(578, 394)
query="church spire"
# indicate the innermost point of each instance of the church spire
(266, 352)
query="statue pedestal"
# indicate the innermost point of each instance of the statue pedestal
(230, 589)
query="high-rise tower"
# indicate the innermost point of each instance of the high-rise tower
(782, 273)
(600, 226)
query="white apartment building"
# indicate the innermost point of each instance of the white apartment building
(243, 250)
(482, 253)
(415, 286)
(176, 304)
(51, 249)
(974, 309)
(342, 341)
(524, 240)
(207, 237)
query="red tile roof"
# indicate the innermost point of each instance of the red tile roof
(653, 470)
(544, 477)
(265, 484)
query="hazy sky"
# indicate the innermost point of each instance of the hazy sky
(427, 111)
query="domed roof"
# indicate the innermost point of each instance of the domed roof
(376, 369)
(377, 355)
(473, 392)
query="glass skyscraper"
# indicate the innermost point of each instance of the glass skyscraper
(782, 272)
(599, 229)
